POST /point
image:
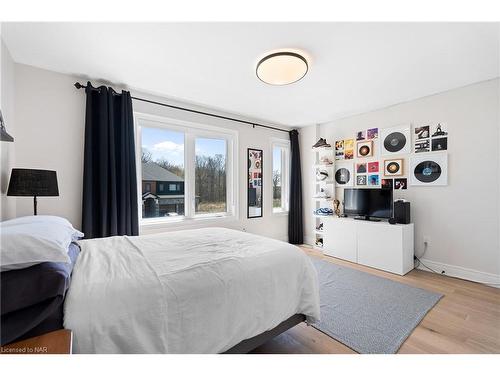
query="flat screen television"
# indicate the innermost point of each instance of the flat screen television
(368, 203)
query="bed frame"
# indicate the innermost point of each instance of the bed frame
(250, 344)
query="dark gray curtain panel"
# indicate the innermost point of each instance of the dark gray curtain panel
(295, 223)
(109, 174)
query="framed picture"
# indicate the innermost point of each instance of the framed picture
(422, 146)
(361, 180)
(422, 132)
(396, 140)
(387, 183)
(361, 168)
(254, 190)
(439, 144)
(439, 130)
(429, 169)
(400, 183)
(365, 149)
(344, 175)
(394, 167)
(373, 180)
(373, 167)
(361, 135)
(372, 133)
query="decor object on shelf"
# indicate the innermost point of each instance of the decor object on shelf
(4, 136)
(321, 143)
(393, 167)
(33, 183)
(323, 194)
(396, 140)
(254, 192)
(336, 205)
(429, 169)
(282, 68)
(344, 174)
(325, 160)
(323, 211)
(321, 175)
(365, 149)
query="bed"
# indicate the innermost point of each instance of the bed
(32, 298)
(212, 290)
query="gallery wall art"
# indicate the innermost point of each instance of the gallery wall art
(344, 175)
(429, 169)
(396, 140)
(424, 142)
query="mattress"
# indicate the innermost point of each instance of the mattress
(193, 291)
(32, 298)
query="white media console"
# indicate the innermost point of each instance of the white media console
(381, 245)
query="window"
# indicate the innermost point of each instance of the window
(191, 167)
(280, 175)
(210, 175)
(162, 160)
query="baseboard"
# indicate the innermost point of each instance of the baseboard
(461, 272)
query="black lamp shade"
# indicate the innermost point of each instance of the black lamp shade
(33, 183)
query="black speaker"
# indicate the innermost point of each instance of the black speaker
(402, 212)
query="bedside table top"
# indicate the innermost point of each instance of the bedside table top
(55, 342)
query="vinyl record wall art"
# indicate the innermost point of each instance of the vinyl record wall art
(393, 167)
(429, 169)
(344, 175)
(364, 149)
(396, 140)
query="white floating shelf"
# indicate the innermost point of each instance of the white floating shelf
(323, 166)
(325, 182)
(319, 232)
(323, 199)
(319, 149)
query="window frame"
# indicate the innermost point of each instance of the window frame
(284, 145)
(191, 130)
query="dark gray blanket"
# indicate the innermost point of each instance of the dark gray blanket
(32, 298)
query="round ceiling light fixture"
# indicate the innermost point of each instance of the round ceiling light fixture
(282, 68)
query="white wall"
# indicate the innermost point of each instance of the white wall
(7, 204)
(461, 219)
(50, 132)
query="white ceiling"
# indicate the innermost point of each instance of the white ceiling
(354, 67)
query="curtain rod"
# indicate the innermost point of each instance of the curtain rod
(78, 85)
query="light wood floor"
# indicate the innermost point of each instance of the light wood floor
(465, 320)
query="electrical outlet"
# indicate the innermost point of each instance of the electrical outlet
(427, 241)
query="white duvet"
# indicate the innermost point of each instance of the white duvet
(193, 291)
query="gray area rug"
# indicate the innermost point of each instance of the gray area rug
(369, 314)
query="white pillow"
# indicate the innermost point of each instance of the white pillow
(30, 240)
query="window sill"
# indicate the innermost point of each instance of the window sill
(280, 213)
(212, 219)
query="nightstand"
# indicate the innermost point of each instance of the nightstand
(55, 342)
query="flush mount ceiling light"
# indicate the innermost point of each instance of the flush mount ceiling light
(282, 68)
